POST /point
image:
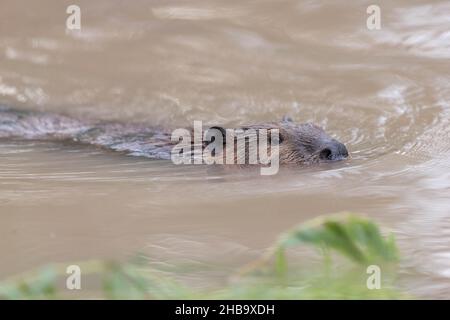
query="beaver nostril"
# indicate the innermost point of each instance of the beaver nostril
(326, 154)
(333, 151)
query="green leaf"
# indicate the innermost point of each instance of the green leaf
(358, 239)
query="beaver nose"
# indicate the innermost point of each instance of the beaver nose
(333, 151)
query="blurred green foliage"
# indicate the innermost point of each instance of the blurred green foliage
(355, 238)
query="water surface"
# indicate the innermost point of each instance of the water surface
(384, 93)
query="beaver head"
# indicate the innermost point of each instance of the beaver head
(307, 143)
(304, 143)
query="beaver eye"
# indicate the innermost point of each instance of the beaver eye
(280, 138)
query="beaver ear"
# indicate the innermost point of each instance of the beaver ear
(221, 130)
(287, 118)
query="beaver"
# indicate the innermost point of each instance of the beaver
(298, 143)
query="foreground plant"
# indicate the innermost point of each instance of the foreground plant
(355, 238)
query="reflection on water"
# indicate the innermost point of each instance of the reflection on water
(384, 93)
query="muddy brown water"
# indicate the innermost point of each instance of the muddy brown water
(384, 93)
